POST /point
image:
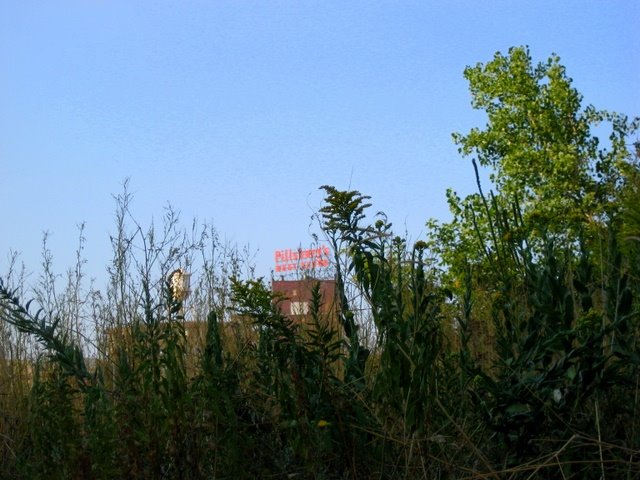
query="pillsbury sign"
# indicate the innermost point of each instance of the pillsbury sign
(309, 259)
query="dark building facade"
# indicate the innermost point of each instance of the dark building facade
(296, 297)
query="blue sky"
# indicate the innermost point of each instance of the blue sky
(236, 112)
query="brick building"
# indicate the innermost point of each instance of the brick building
(297, 297)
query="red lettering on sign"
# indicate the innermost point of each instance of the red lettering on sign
(307, 259)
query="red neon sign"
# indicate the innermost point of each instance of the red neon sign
(289, 260)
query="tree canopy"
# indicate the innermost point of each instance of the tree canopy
(551, 175)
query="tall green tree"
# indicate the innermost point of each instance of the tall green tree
(551, 175)
(538, 140)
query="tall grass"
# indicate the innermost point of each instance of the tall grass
(120, 384)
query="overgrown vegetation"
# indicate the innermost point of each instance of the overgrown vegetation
(505, 345)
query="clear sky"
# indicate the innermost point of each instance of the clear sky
(236, 112)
